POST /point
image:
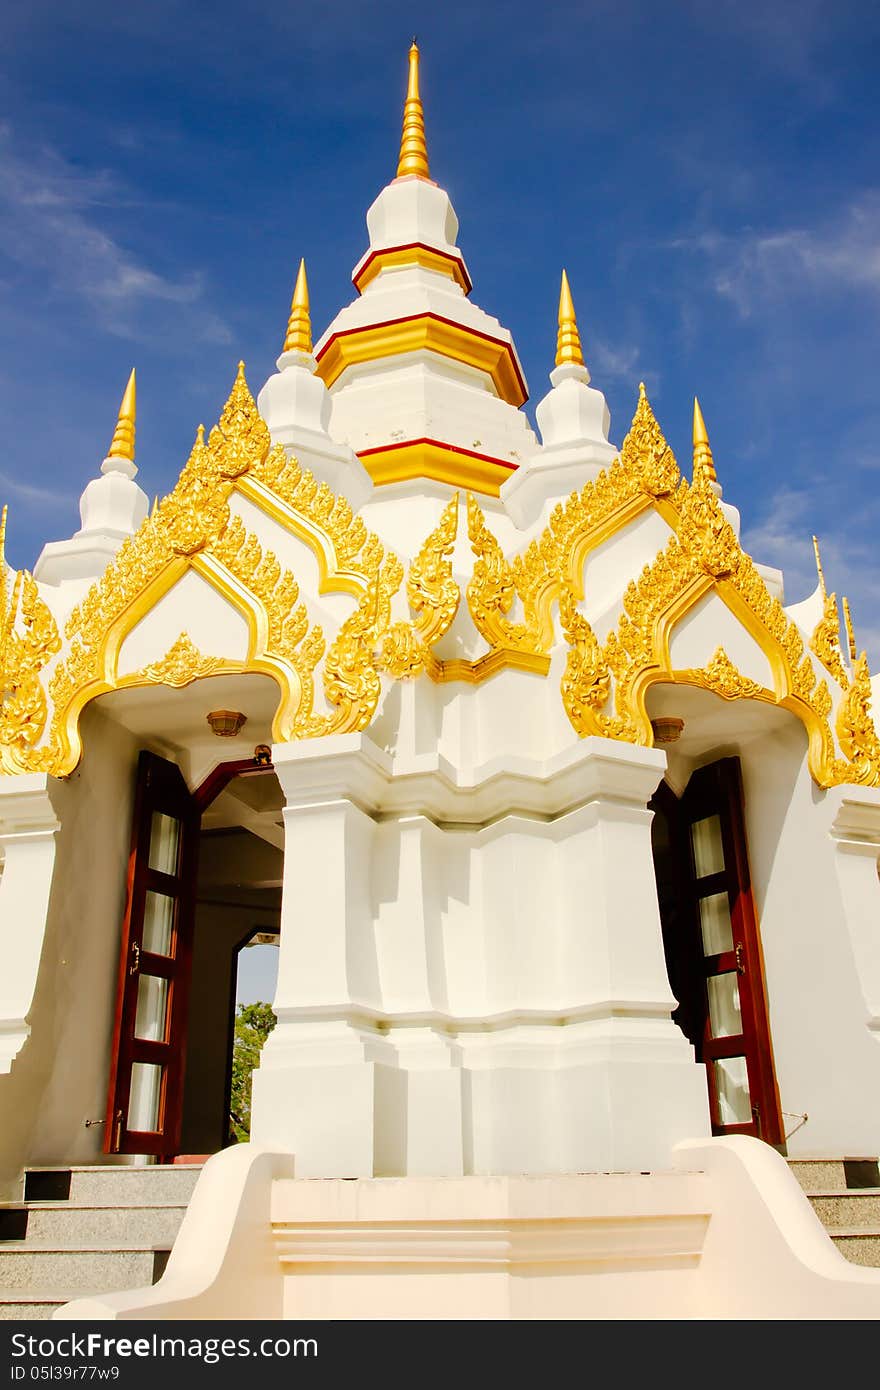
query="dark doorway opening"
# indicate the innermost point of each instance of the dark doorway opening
(713, 948)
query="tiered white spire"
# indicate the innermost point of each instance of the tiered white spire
(111, 508)
(574, 421)
(296, 406)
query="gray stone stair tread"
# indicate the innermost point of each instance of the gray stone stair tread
(13, 1295)
(93, 1206)
(837, 1192)
(833, 1158)
(79, 1247)
(845, 1231)
(117, 1168)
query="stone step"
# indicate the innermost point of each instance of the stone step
(111, 1185)
(66, 1223)
(87, 1268)
(857, 1245)
(854, 1208)
(18, 1305)
(835, 1174)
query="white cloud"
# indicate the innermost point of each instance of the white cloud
(51, 225)
(43, 496)
(843, 253)
(611, 363)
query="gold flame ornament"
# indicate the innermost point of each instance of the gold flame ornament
(850, 632)
(568, 339)
(704, 464)
(413, 158)
(299, 325)
(122, 444)
(819, 570)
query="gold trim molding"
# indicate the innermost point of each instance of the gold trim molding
(429, 333)
(443, 463)
(413, 253)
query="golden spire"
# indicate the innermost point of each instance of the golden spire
(413, 158)
(704, 464)
(568, 340)
(850, 632)
(299, 325)
(122, 445)
(819, 569)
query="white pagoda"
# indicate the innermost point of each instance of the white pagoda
(566, 826)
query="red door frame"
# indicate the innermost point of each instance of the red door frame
(160, 785)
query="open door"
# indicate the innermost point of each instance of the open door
(146, 1070)
(713, 949)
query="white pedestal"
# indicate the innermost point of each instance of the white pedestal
(476, 997)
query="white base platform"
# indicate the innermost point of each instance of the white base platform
(727, 1234)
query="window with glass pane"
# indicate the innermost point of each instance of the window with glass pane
(158, 923)
(725, 1015)
(732, 1090)
(707, 846)
(143, 1101)
(164, 842)
(152, 1008)
(715, 924)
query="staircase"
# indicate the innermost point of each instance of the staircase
(845, 1195)
(81, 1231)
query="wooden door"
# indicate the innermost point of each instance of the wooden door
(713, 947)
(146, 1073)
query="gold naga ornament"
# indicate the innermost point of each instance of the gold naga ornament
(521, 605)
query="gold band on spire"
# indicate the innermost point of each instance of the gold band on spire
(819, 570)
(704, 464)
(122, 444)
(850, 630)
(413, 158)
(568, 340)
(299, 325)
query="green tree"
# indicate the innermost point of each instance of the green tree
(253, 1024)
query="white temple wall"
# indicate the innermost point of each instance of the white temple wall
(710, 625)
(59, 1079)
(192, 606)
(827, 1060)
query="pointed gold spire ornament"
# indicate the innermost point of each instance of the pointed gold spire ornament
(819, 570)
(568, 339)
(122, 444)
(850, 631)
(299, 325)
(704, 464)
(413, 158)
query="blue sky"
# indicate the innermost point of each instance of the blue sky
(706, 171)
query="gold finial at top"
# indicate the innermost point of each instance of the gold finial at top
(819, 570)
(299, 325)
(568, 340)
(847, 618)
(413, 158)
(704, 464)
(122, 445)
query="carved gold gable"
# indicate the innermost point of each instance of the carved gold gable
(522, 607)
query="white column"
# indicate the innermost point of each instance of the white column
(856, 834)
(28, 825)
